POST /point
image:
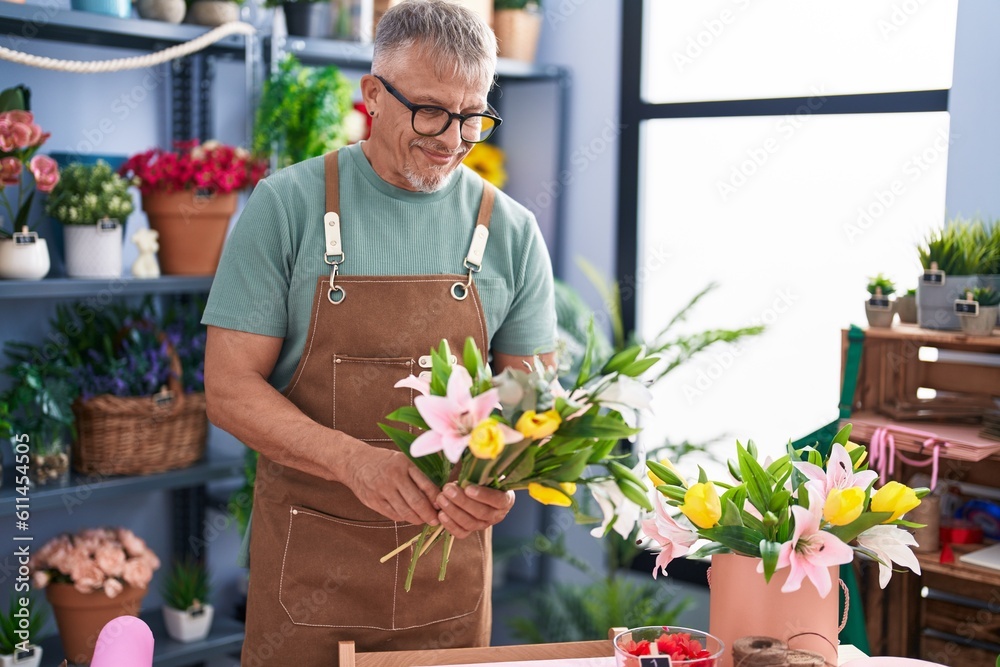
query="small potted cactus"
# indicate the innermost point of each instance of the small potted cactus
(880, 307)
(186, 612)
(983, 320)
(19, 629)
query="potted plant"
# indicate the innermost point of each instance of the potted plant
(91, 578)
(906, 306)
(951, 258)
(879, 306)
(186, 611)
(23, 255)
(93, 203)
(778, 531)
(983, 320)
(39, 405)
(213, 13)
(189, 196)
(19, 630)
(306, 18)
(171, 11)
(518, 25)
(303, 112)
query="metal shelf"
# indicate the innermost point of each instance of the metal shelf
(83, 488)
(225, 638)
(22, 23)
(56, 288)
(312, 51)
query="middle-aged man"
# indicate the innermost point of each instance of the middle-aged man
(341, 274)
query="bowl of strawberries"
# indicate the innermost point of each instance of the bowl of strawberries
(651, 646)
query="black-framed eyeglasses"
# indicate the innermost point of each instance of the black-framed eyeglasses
(430, 121)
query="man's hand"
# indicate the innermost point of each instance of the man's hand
(389, 483)
(475, 508)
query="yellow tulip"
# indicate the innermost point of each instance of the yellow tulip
(896, 498)
(659, 482)
(538, 425)
(546, 495)
(486, 441)
(844, 505)
(702, 505)
(850, 447)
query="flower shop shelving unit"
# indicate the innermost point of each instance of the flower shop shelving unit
(948, 613)
(190, 110)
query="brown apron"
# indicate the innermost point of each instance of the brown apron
(315, 576)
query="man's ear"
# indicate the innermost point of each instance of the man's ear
(371, 93)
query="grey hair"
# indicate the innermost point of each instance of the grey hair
(460, 39)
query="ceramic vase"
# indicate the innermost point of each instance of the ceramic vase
(192, 229)
(906, 307)
(24, 261)
(81, 616)
(213, 13)
(936, 303)
(187, 626)
(309, 19)
(30, 658)
(171, 11)
(93, 251)
(981, 324)
(742, 604)
(880, 317)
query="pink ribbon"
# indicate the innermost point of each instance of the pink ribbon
(883, 453)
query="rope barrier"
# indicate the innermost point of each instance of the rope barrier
(135, 62)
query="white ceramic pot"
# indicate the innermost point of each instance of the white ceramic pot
(880, 317)
(24, 261)
(93, 251)
(33, 659)
(171, 11)
(213, 12)
(185, 627)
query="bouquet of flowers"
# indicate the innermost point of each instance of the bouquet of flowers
(521, 430)
(97, 559)
(20, 139)
(808, 510)
(209, 166)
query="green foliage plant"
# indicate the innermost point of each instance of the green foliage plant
(956, 249)
(516, 4)
(86, 194)
(302, 112)
(987, 235)
(187, 586)
(986, 296)
(10, 624)
(881, 282)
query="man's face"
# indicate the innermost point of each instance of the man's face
(412, 161)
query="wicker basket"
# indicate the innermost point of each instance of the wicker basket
(139, 436)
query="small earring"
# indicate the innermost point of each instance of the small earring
(371, 113)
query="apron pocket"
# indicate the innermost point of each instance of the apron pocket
(363, 390)
(331, 575)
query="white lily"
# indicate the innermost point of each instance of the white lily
(614, 504)
(890, 544)
(626, 396)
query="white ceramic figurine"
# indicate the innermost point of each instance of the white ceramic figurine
(146, 266)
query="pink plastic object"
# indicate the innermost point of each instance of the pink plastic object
(124, 642)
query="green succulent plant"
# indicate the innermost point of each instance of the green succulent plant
(86, 194)
(985, 296)
(10, 624)
(880, 281)
(956, 249)
(186, 586)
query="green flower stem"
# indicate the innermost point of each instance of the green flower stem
(484, 477)
(511, 460)
(417, 552)
(449, 540)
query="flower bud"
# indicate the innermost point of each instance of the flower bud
(844, 505)
(896, 498)
(850, 447)
(546, 495)
(486, 441)
(702, 505)
(538, 425)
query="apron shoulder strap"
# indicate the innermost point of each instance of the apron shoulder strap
(332, 182)
(474, 260)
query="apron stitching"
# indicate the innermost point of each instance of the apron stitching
(312, 337)
(395, 582)
(333, 392)
(412, 279)
(281, 579)
(346, 522)
(479, 316)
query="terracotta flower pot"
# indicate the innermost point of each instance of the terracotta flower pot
(81, 616)
(192, 229)
(742, 604)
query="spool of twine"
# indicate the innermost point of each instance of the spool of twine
(759, 652)
(796, 658)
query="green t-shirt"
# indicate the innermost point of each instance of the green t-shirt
(266, 279)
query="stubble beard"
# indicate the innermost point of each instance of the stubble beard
(431, 178)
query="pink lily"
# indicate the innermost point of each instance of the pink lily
(839, 474)
(414, 382)
(451, 418)
(675, 539)
(811, 551)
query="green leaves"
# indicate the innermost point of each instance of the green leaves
(433, 466)
(739, 539)
(769, 555)
(861, 524)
